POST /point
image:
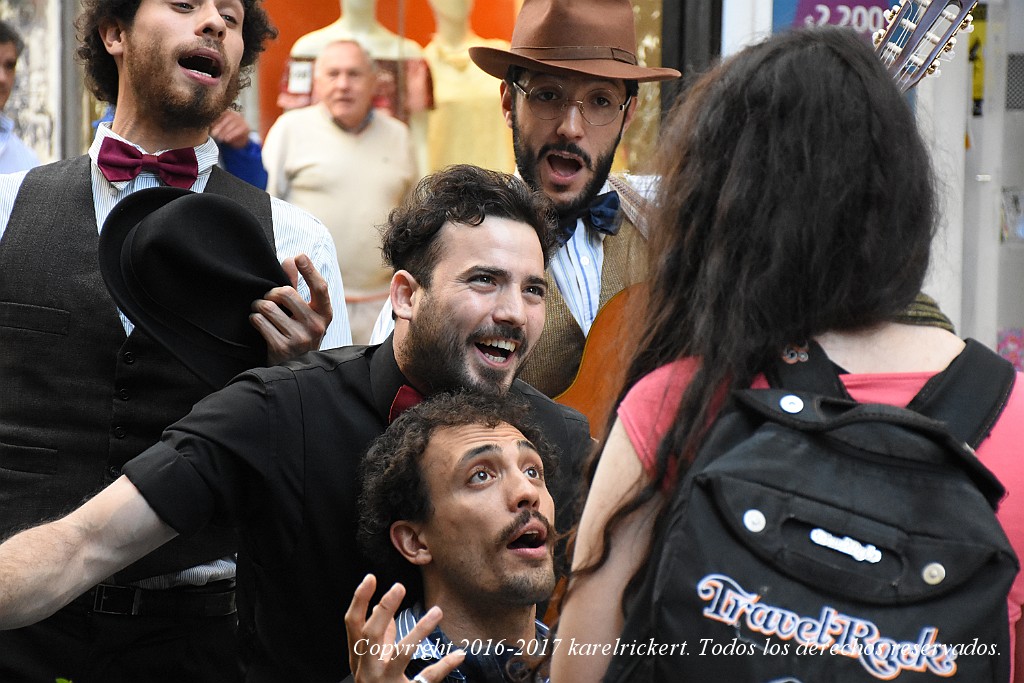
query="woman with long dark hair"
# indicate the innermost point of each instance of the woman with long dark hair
(796, 203)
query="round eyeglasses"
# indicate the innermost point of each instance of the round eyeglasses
(599, 108)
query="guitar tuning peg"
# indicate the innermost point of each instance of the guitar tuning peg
(933, 70)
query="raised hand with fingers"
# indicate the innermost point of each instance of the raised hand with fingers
(373, 654)
(290, 326)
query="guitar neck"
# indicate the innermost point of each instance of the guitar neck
(918, 34)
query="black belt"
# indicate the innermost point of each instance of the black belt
(216, 599)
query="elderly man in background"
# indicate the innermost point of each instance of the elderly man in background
(348, 165)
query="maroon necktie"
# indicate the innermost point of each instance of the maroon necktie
(406, 398)
(120, 161)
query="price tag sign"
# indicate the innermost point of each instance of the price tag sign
(864, 17)
(300, 77)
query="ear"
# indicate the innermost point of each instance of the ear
(403, 293)
(112, 34)
(507, 94)
(406, 538)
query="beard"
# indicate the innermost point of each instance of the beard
(527, 588)
(193, 108)
(436, 355)
(527, 162)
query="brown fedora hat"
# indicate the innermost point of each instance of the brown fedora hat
(546, 30)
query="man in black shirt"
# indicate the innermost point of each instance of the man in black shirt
(276, 452)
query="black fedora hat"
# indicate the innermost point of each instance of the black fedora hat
(185, 268)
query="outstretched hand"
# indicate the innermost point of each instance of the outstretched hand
(302, 328)
(373, 654)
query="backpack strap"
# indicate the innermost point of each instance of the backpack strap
(967, 396)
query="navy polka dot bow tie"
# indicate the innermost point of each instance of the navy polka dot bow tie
(602, 215)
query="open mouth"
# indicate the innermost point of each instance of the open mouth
(202, 64)
(564, 165)
(497, 350)
(530, 538)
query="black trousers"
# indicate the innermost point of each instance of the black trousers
(81, 646)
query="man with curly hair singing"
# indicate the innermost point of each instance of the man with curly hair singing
(84, 389)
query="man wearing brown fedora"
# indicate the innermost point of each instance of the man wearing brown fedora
(84, 389)
(568, 89)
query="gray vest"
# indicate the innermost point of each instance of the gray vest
(554, 362)
(77, 398)
(553, 365)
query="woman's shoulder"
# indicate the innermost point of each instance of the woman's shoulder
(669, 377)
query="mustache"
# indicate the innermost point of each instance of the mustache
(505, 331)
(508, 534)
(569, 147)
(206, 44)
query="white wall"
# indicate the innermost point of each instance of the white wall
(983, 179)
(744, 22)
(1006, 129)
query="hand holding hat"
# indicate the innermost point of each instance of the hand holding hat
(185, 268)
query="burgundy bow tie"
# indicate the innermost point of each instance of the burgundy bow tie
(120, 161)
(406, 398)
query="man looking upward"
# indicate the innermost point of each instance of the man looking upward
(456, 490)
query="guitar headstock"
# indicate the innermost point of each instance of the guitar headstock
(918, 33)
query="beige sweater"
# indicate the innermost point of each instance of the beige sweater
(350, 181)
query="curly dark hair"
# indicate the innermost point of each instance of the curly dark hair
(461, 194)
(100, 68)
(393, 484)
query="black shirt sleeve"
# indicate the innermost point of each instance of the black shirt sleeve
(235, 456)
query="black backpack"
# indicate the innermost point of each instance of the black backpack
(816, 539)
